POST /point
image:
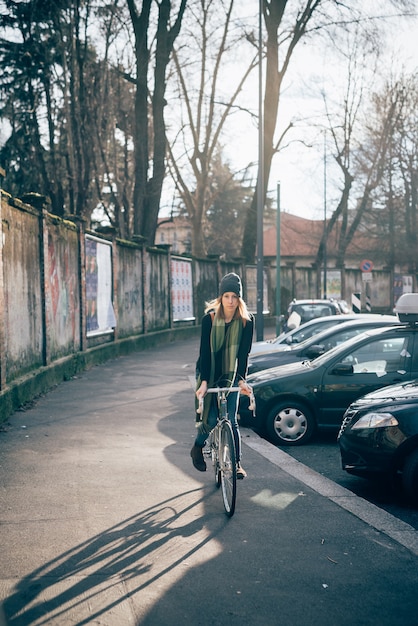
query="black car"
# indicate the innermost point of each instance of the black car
(379, 436)
(293, 400)
(317, 344)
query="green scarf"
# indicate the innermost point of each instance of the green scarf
(229, 342)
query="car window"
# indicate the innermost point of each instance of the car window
(380, 356)
(340, 337)
(310, 311)
(305, 333)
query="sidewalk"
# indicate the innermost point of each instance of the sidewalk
(103, 519)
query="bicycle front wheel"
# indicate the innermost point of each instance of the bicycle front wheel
(228, 468)
(214, 449)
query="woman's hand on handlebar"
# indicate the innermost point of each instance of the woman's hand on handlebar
(245, 388)
(201, 392)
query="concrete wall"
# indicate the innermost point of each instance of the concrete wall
(302, 283)
(22, 297)
(129, 290)
(62, 288)
(54, 276)
(53, 289)
(157, 291)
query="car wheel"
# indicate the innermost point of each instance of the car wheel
(410, 477)
(290, 424)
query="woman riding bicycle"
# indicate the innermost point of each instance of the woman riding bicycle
(225, 342)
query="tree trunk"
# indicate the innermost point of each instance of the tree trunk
(140, 24)
(273, 11)
(147, 192)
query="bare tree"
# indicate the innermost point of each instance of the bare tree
(406, 155)
(209, 99)
(147, 188)
(285, 28)
(273, 13)
(362, 126)
(395, 203)
(344, 126)
(372, 162)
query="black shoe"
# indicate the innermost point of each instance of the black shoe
(197, 458)
(241, 473)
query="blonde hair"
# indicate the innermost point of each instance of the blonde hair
(216, 305)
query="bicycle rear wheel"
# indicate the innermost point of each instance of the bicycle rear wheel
(227, 468)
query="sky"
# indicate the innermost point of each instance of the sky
(309, 181)
(299, 169)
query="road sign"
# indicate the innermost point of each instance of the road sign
(366, 265)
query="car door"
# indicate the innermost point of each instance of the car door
(377, 362)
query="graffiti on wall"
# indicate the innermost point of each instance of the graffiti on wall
(64, 300)
(100, 315)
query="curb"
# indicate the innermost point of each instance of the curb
(384, 522)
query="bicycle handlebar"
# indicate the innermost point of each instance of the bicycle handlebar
(219, 390)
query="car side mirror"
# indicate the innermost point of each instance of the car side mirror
(315, 351)
(343, 369)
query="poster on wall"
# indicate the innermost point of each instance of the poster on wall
(181, 290)
(334, 284)
(100, 315)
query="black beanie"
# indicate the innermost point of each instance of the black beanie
(231, 282)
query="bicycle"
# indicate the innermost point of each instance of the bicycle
(222, 448)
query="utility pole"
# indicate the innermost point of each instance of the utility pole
(325, 214)
(260, 184)
(278, 255)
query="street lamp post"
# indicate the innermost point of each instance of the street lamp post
(278, 255)
(325, 214)
(260, 184)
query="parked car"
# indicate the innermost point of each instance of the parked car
(295, 399)
(301, 311)
(379, 436)
(306, 330)
(319, 343)
(344, 308)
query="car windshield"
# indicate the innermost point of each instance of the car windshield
(335, 350)
(350, 342)
(303, 332)
(310, 311)
(330, 337)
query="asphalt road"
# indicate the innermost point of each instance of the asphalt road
(322, 455)
(104, 520)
